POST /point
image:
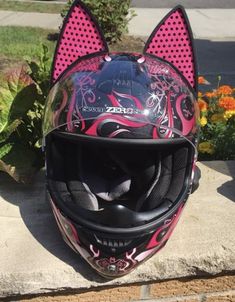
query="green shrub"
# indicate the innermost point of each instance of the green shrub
(113, 16)
(23, 93)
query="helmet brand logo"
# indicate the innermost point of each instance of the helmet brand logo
(117, 110)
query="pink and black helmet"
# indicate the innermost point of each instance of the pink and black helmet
(120, 138)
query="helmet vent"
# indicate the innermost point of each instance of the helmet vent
(113, 243)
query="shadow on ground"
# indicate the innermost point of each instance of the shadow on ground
(227, 189)
(37, 216)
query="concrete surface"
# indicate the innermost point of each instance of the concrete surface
(34, 259)
(214, 30)
(10, 18)
(185, 3)
(213, 24)
(166, 3)
(206, 23)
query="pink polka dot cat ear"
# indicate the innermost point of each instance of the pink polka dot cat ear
(172, 40)
(79, 36)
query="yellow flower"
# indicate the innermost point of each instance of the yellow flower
(218, 117)
(228, 114)
(206, 147)
(203, 121)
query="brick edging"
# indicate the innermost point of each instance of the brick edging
(216, 289)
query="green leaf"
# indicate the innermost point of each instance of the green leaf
(22, 102)
(9, 130)
(16, 96)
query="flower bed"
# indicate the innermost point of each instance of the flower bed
(217, 120)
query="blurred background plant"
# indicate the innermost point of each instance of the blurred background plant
(217, 108)
(113, 16)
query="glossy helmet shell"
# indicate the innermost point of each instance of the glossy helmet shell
(124, 109)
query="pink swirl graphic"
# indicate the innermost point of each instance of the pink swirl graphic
(168, 226)
(115, 102)
(109, 118)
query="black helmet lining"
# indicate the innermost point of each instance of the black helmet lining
(141, 180)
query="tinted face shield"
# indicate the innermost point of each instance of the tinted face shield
(121, 98)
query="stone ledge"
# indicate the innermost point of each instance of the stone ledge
(35, 260)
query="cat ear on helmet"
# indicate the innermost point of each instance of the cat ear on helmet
(172, 40)
(80, 35)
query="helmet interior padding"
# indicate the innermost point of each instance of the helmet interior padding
(137, 178)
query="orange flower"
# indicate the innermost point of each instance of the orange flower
(202, 80)
(210, 94)
(202, 105)
(227, 102)
(224, 90)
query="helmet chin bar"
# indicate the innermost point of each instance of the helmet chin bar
(113, 215)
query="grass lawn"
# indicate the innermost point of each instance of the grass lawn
(16, 43)
(47, 7)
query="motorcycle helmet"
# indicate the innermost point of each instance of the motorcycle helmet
(120, 135)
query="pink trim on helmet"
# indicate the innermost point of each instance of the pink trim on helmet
(171, 40)
(65, 225)
(112, 118)
(169, 226)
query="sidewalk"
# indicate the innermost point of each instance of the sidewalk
(212, 24)
(214, 32)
